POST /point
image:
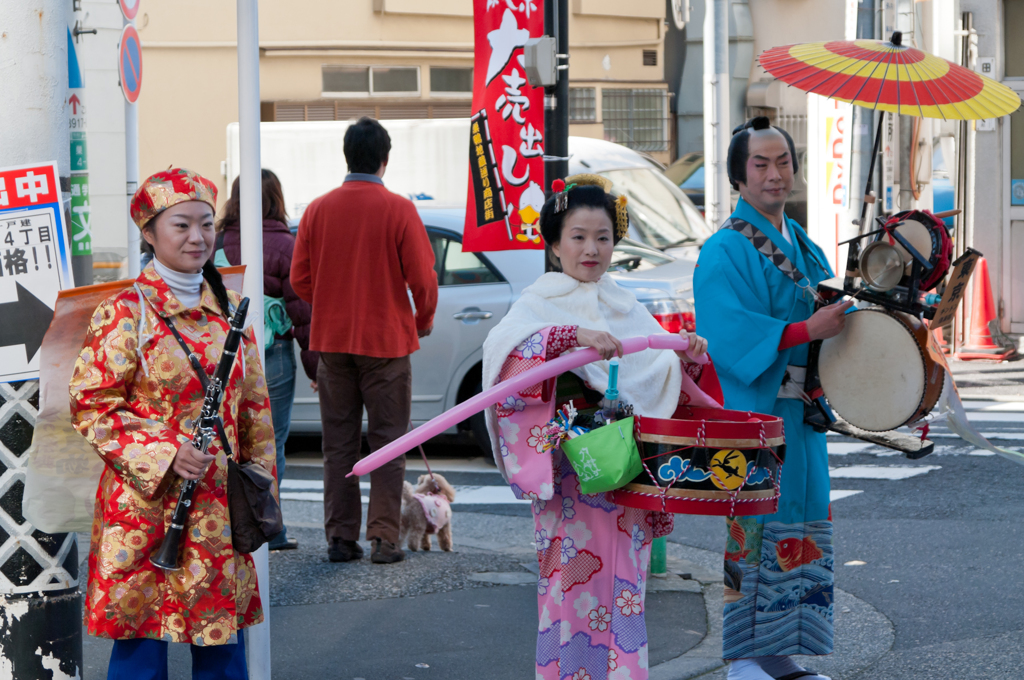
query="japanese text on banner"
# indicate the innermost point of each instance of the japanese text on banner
(506, 145)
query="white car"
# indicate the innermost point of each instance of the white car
(476, 291)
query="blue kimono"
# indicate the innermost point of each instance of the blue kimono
(778, 568)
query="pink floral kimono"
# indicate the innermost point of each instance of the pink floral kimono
(593, 554)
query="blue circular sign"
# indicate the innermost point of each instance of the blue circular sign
(129, 63)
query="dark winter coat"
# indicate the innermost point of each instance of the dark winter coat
(278, 244)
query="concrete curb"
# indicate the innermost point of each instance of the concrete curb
(863, 634)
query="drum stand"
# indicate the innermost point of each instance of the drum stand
(900, 298)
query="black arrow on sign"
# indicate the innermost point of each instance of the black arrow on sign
(24, 322)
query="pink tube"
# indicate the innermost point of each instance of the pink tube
(497, 394)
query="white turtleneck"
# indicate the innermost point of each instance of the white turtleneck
(186, 287)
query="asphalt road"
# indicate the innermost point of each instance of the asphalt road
(931, 544)
(940, 551)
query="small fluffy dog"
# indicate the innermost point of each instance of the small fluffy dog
(426, 509)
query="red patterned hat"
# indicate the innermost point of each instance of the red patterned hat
(167, 188)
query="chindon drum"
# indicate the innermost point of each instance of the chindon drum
(708, 462)
(883, 371)
(928, 235)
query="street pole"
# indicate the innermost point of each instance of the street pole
(131, 178)
(556, 99)
(40, 604)
(250, 182)
(717, 132)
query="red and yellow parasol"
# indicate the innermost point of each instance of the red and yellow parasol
(889, 76)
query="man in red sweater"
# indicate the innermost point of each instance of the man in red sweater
(359, 249)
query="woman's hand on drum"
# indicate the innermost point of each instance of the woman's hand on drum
(828, 322)
(190, 462)
(606, 344)
(698, 346)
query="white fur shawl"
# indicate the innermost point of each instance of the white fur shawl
(649, 380)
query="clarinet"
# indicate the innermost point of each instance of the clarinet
(166, 556)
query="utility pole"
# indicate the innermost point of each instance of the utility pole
(250, 186)
(40, 604)
(556, 98)
(131, 165)
(717, 132)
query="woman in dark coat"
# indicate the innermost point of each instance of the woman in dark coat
(278, 244)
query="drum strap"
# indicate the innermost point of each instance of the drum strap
(766, 247)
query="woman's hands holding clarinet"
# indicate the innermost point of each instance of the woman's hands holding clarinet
(190, 462)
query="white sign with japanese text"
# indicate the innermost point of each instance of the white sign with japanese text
(35, 264)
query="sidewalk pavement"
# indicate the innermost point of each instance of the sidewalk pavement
(989, 380)
(472, 613)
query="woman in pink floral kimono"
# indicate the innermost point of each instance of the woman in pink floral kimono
(593, 554)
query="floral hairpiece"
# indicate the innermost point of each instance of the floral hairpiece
(561, 189)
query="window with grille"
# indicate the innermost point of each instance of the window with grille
(448, 80)
(582, 105)
(370, 80)
(351, 109)
(635, 118)
(650, 57)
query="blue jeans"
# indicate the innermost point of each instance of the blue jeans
(145, 659)
(280, 371)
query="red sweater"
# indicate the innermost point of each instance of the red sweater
(358, 248)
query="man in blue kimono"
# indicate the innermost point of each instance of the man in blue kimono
(755, 289)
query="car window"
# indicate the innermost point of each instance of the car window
(438, 244)
(456, 268)
(461, 268)
(659, 211)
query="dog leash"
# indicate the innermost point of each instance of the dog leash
(437, 487)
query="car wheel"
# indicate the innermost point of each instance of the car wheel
(478, 426)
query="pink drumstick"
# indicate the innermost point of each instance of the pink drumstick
(496, 394)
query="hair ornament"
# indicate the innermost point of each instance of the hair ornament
(562, 199)
(621, 217)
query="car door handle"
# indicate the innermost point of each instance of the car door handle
(471, 315)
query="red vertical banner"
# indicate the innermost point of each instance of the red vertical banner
(506, 145)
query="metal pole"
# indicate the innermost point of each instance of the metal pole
(131, 176)
(659, 557)
(556, 99)
(717, 129)
(40, 604)
(257, 648)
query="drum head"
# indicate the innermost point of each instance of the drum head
(873, 373)
(919, 236)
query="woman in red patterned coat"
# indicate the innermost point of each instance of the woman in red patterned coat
(135, 397)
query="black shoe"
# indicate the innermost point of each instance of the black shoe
(385, 552)
(286, 544)
(344, 551)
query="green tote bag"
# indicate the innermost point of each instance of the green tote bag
(605, 458)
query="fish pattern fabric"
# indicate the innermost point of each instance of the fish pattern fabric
(593, 554)
(135, 398)
(778, 569)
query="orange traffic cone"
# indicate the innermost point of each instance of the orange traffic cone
(983, 312)
(940, 340)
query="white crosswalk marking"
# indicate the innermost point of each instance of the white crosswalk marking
(892, 472)
(1005, 419)
(308, 490)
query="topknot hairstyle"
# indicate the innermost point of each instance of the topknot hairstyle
(580, 196)
(739, 150)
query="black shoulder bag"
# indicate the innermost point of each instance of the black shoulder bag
(254, 511)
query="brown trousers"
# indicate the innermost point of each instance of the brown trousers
(346, 383)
